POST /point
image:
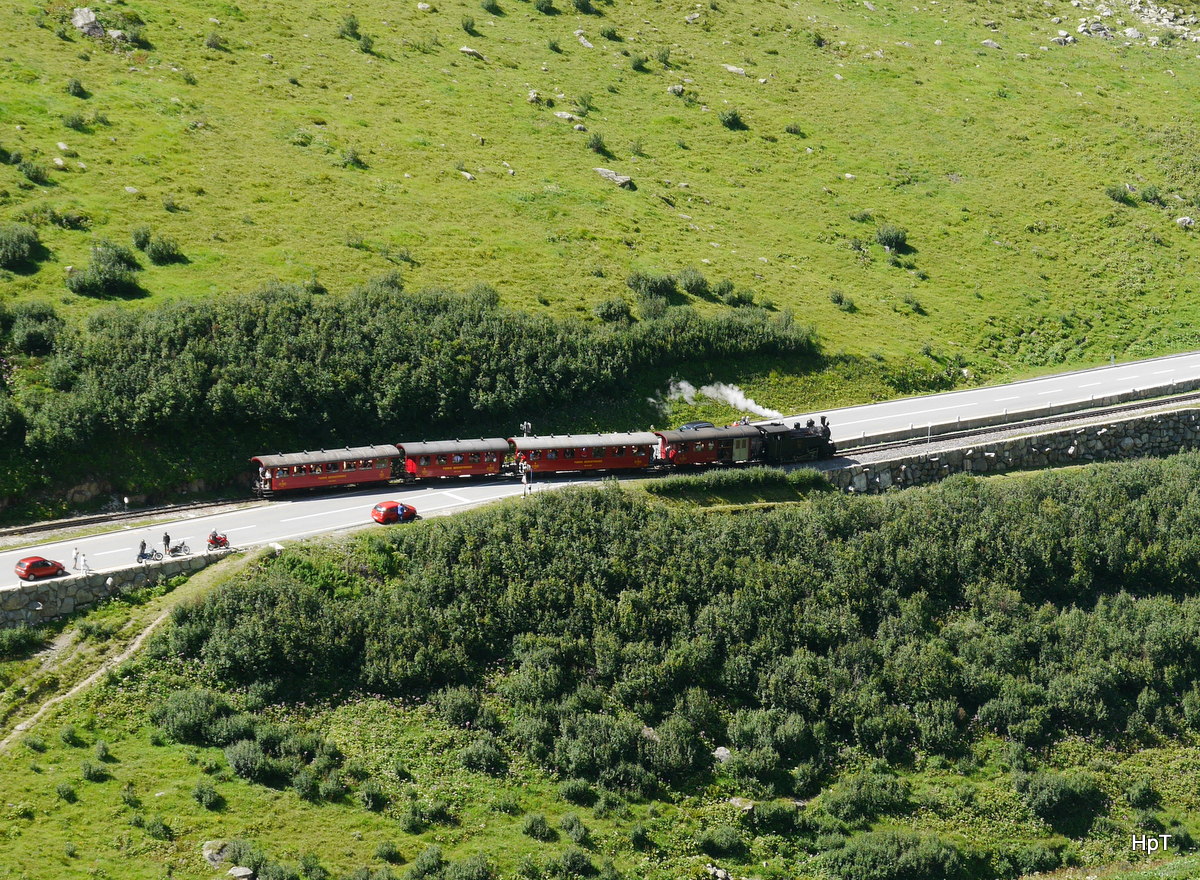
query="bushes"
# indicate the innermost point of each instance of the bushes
(894, 238)
(862, 798)
(192, 716)
(485, 756)
(1068, 802)
(595, 143)
(546, 7)
(731, 118)
(692, 282)
(536, 826)
(163, 250)
(372, 797)
(247, 760)
(725, 840)
(577, 791)
(19, 244)
(110, 272)
(892, 855)
(429, 864)
(206, 795)
(613, 311)
(639, 62)
(647, 284)
(75, 89)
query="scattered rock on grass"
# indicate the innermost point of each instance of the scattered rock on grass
(621, 180)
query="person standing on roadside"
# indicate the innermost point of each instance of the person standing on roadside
(142, 550)
(166, 544)
(75, 559)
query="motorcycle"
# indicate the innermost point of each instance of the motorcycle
(180, 549)
(218, 542)
(150, 555)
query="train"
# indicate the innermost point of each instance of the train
(695, 445)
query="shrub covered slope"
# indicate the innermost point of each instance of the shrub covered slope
(975, 680)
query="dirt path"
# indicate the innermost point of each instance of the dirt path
(108, 664)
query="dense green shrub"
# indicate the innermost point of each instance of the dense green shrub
(18, 245)
(1142, 794)
(20, 640)
(692, 282)
(732, 119)
(484, 755)
(206, 794)
(1066, 801)
(247, 760)
(577, 791)
(536, 826)
(163, 250)
(724, 840)
(75, 89)
(33, 172)
(894, 855)
(157, 828)
(612, 311)
(575, 863)
(110, 272)
(372, 797)
(191, 716)
(865, 796)
(428, 864)
(892, 237)
(574, 828)
(475, 867)
(546, 7)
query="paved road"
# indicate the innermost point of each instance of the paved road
(895, 415)
(253, 526)
(318, 514)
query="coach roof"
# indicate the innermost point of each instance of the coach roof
(450, 447)
(588, 441)
(348, 453)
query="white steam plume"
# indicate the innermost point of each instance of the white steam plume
(729, 394)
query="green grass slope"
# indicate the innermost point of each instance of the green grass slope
(289, 152)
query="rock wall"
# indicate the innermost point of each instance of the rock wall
(55, 597)
(1153, 435)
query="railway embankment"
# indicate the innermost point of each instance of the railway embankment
(1156, 434)
(37, 602)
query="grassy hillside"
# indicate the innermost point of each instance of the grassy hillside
(979, 680)
(269, 145)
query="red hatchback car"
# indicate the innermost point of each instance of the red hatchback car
(393, 511)
(33, 567)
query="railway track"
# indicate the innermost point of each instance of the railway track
(1083, 415)
(844, 449)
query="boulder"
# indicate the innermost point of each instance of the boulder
(676, 89)
(213, 852)
(117, 36)
(583, 41)
(1185, 222)
(722, 754)
(85, 22)
(620, 180)
(424, 7)
(569, 117)
(740, 71)
(991, 44)
(743, 804)
(718, 873)
(467, 174)
(472, 53)
(240, 873)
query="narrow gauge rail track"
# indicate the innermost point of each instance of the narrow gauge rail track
(1083, 415)
(845, 448)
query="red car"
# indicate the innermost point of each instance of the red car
(33, 567)
(393, 511)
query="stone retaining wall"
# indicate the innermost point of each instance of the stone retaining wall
(55, 597)
(1136, 437)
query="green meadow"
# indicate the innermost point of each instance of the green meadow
(1038, 184)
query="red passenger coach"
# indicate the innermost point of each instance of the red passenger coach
(453, 458)
(310, 470)
(736, 443)
(587, 452)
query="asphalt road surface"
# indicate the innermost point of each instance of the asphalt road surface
(894, 415)
(275, 521)
(304, 516)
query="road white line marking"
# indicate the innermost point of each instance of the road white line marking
(1051, 391)
(1091, 384)
(111, 552)
(322, 513)
(1164, 372)
(239, 529)
(458, 497)
(1002, 399)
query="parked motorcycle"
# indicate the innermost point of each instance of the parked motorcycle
(218, 541)
(180, 549)
(150, 555)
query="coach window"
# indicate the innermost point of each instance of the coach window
(489, 457)
(441, 459)
(568, 453)
(423, 461)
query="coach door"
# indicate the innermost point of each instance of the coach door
(741, 448)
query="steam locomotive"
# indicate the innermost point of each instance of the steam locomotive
(697, 444)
